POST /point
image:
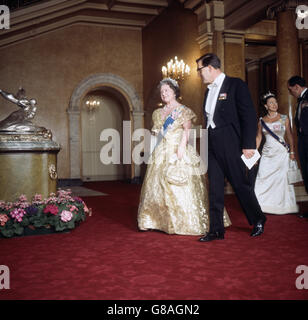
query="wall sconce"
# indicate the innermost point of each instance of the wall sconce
(176, 69)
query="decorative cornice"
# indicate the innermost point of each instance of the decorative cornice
(48, 16)
(280, 6)
(233, 36)
(205, 40)
(101, 21)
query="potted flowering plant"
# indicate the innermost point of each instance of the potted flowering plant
(59, 212)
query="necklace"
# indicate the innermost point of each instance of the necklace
(272, 117)
(168, 109)
(170, 106)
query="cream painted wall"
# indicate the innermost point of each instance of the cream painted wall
(173, 33)
(51, 65)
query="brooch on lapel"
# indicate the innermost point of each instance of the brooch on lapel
(222, 96)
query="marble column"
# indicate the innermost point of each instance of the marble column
(75, 143)
(288, 58)
(219, 48)
(204, 26)
(138, 123)
(210, 25)
(288, 63)
(253, 80)
(213, 37)
(234, 53)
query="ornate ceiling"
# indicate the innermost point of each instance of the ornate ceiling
(41, 16)
(34, 17)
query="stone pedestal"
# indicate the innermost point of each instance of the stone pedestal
(28, 167)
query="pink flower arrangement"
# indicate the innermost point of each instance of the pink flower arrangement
(51, 208)
(37, 199)
(3, 219)
(51, 199)
(66, 215)
(73, 208)
(85, 208)
(17, 214)
(59, 211)
(65, 195)
(2, 204)
(6, 206)
(23, 198)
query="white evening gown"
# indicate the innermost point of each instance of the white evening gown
(273, 192)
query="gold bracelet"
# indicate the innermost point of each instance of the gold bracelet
(292, 152)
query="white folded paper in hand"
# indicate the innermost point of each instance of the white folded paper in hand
(251, 161)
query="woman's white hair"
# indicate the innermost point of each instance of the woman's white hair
(166, 80)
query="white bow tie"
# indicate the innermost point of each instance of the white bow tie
(212, 85)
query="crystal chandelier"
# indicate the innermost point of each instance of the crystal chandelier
(175, 69)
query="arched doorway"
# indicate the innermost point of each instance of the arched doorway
(129, 108)
(102, 110)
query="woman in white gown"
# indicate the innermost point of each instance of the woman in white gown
(273, 192)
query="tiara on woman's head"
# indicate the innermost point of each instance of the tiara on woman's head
(174, 82)
(267, 95)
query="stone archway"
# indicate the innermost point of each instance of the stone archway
(90, 83)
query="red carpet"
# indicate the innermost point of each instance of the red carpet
(107, 258)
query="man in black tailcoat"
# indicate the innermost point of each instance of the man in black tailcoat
(297, 88)
(232, 126)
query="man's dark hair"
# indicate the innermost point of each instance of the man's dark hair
(210, 59)
(297, 80)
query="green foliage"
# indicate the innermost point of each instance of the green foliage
(59, 213)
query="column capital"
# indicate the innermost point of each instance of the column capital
(210, 20)
(73, 111)
(233, 36)
(138, 113)
(211, 16)
(205, 40)
(281, 6)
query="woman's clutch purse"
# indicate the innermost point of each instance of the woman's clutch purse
(294, 173)
(177, 172)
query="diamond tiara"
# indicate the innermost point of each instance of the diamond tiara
(267, 95)
(174, 82)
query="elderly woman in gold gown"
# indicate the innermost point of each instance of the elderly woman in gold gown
(174, 197)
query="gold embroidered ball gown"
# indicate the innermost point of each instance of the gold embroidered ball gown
(174, 197)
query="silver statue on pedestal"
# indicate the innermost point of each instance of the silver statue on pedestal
(21, 141)
(20, 122)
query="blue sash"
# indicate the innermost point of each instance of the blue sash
(167, 123)
(275, 136)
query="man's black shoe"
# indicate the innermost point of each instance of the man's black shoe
(212, 236)
(258, 228)
(304, 215)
